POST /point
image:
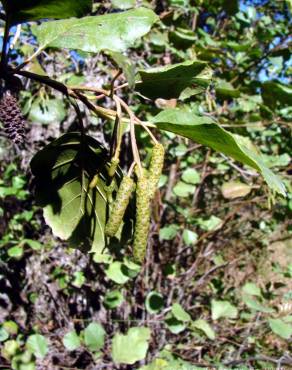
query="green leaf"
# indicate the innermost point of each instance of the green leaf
(11, 327)
(206, 131)
(212, 223)
(71, 341)
(115, 32)
(225, 90)
(252, 289)
(253, 304)
(281, 328)
(274, 92)
(235, 189)
(191, 176)
(126, 65)
(116, 272)
(15, 252)
(31, 10)
(223, 309)
(63, 171)
(94, 336)
(175, 80)
(47, 111)
(204, 327)
(174, 325)
(154, 302)
(168, 232)
(3, 334)
(189, 237)
(132, 347)
(123, 4)
(38, 345)
(179, 313)
(113, 299)
(182, 189)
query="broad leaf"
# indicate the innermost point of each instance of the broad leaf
(223, 309)
(206, 131)
(94, 336)
(132, 347)
(175, 81)
(179, 313)
(31, 10)
(63, 172)
(114, 32)
(204, 327)
(235, 189)
(71, 341)
(38, 345)
(47, 111)
(281, 328)
(274, 92)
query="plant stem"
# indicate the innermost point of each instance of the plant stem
(4, 46)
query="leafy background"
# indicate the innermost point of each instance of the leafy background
(215, 290)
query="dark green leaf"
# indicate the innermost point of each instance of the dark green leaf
(174, 81)
(31, 10)
(63, 172)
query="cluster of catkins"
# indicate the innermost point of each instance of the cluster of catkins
(10, 112)
(145, 190)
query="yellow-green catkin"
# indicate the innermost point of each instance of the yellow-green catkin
(119, 206)
(155, 168)
(142, 219)
(113, 167)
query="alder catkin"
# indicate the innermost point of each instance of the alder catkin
(142, 219)
(11, 117)
(155, 168)
(119, 206)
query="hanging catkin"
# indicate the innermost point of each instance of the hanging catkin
(11, 117)
(142, 219)
(155, 168)
(119, 206)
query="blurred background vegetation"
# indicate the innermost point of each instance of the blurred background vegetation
(215, 290)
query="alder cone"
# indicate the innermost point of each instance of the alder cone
(12, 118)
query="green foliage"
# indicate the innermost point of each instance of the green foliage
(206, 131)
(94, 336)
(223, 309)
(175, 81)
(71, 341)
(114, 32)
(212, 233)
(30, 10)
(38, 345)
(63, 190)
(131, 347)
